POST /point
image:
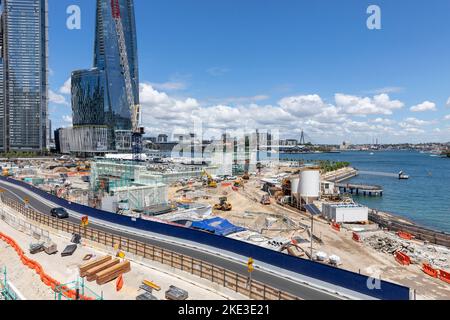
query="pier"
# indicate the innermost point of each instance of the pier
(361, 189)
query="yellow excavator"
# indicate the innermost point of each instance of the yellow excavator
(211, 182)
(223, 205)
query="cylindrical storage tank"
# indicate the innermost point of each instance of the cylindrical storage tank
(310, 183)
(295, 185)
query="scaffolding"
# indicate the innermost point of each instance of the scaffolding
(6, 293)
(79, 287)
(110, 174)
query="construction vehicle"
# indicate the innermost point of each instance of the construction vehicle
(265, 200)
(210, 182)
(238, 183)
(223, 205)
(6, 173)
(136, 130)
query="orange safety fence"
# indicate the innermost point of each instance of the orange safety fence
(402, 258)
(444, 276)
(405, 235)
(45, 278)
(429, 270)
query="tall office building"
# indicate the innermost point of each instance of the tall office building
(23, 75)
(99, 101)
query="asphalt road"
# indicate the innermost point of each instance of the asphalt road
(300, 290)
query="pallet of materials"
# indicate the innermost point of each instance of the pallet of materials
(92, 274)
(112, 273)
(69, 250)
(175, 293)
(89, 265)
(146, 296)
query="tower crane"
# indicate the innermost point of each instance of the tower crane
(136, 130)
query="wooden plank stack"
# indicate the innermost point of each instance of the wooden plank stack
(112, 273)
(104, 269)
(91, 274)
(89, 265)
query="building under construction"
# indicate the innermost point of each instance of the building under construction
(127, 186)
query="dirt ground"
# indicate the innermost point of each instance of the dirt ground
(65, 270)
(357, 257)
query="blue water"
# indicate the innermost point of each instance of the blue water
(424, 198)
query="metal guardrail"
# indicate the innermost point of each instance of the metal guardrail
(24, 226)
(223, 277)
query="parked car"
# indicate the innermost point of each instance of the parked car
(59, 213)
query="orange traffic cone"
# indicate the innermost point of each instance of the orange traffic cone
(119, 283)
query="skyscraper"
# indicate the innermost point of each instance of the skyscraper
(23, 75)
(99, 100)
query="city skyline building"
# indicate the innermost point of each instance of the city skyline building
(99, 99)
(24, 75)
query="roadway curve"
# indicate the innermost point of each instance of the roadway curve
(301, 290)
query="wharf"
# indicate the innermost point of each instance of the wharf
(361, 189)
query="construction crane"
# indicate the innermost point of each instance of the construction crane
(136, 130)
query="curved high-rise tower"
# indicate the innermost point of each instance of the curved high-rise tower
(99, 100)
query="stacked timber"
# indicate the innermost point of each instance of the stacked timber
(91, 274)
(112, 273)
(89, 265)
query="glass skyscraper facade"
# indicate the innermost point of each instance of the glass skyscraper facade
(23, 75)
(98, 94)
(89, 95)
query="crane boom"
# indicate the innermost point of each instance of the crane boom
(135, 109)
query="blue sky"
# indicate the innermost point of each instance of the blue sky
(286, 64)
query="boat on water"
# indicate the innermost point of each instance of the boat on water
(402, 176)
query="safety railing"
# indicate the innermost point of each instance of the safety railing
(218, 275)
(19, 223)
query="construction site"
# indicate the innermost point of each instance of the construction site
(270, 207)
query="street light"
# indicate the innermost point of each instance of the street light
(313, 211)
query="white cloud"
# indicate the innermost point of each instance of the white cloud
(67, 118)
(448, 102)
(384, 121)
(56, 98)
(303, 106)
(447, 117)
(416, 122)
(170, 85)
(239, 100)
(414, 130)
(66, 88)
(386, 90)
(379, 104)
(323, 122)
(424, 106)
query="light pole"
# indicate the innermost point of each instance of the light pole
(312, 234)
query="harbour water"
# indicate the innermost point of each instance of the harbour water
(424, 198)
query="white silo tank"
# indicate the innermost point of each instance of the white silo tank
(310, 183)
(295, 185)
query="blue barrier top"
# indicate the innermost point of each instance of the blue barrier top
(343, 278)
